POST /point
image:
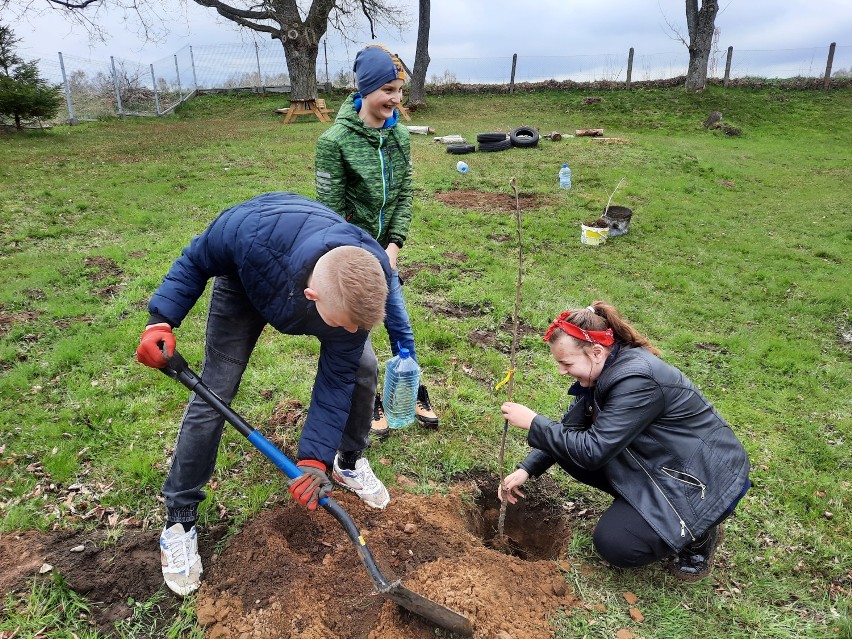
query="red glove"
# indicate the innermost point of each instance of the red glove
(154, 339)
(309, 488)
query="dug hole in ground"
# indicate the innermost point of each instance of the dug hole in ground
(292, 573)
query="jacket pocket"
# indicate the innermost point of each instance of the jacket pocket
(685, 478)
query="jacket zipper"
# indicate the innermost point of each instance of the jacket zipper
(384, 184)
(683, 528)
(686, 478)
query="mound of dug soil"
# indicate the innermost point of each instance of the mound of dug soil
(291, 573)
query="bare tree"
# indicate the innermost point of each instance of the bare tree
(299, 36)
(700, 24)
(417, 93)
(283, 20)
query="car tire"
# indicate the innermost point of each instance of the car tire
(524, 137)
(489, 138)
(496, 146)
(460, 149)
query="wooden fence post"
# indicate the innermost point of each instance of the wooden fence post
(629, 67)
(728, 66)
(827, 82)
(512, 80)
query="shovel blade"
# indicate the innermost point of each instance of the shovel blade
(428, 609)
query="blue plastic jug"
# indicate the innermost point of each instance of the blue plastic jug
(565, 177)
(399, 393)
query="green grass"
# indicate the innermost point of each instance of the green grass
(737, 265)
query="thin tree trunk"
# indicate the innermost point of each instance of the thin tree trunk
(417, 93)
(700, 23)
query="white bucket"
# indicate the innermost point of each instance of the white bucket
(593, 235)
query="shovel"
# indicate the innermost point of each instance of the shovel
(178, 369)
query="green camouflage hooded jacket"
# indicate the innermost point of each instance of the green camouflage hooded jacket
(364, 174)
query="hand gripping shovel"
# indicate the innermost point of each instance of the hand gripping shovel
(439, 615)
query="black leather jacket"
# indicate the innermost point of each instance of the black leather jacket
(659, 442)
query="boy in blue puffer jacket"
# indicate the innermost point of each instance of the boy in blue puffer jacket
(290, 262)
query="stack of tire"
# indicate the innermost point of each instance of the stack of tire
(523, 137)
(491, 142)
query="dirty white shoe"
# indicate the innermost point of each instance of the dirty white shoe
(362, 481)
(180, 559)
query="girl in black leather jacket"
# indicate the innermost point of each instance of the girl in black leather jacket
(639, 430)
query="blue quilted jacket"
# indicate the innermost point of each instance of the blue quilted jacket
(272, 243)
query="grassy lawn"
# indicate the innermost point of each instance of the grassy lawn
(737, 265)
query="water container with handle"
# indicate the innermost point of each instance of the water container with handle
(399, 395)
(565, 177)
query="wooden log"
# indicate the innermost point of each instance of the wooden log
(421, 130)
(450, 139)
(614, 140)
(588, 132)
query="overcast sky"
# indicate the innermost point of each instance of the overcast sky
(468, 29)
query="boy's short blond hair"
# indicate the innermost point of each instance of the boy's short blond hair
(352, 280)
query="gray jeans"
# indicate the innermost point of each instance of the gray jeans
(233, 328)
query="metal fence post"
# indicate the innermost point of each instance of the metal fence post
(117, 90)
(156, 93)
(629, 67)
(71, 119)
(177, 73)
(728, 66)
(259, 77)
(827, 82)
(192, 63)
(512, 80)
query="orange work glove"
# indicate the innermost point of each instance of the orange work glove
(154, 339)
(309, 488)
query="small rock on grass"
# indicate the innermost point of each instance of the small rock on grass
(630, 598)
(635, 615)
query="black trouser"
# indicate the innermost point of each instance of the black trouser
(622, 535)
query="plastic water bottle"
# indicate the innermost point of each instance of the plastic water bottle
(565, 177)
(399, 395)
(461, 167)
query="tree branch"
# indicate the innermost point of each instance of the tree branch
(73, 5)
(369, 19)
(232, 13)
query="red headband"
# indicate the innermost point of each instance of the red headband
(604, 338)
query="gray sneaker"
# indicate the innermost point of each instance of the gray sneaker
(362, 481)
(180, 559)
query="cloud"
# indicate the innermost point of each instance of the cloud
(471, 29)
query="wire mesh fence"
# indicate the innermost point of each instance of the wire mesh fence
(96, 89)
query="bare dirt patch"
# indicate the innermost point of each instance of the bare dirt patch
(409, 271)
(8, 318)
(490, 202)
(461, 311)
(99, 268)
(292, 573)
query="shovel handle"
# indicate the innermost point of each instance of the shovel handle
(178, 369)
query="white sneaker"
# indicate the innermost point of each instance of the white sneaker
(180, 559)
(362, 481)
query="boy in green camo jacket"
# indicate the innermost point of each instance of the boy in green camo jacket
(363, 172)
